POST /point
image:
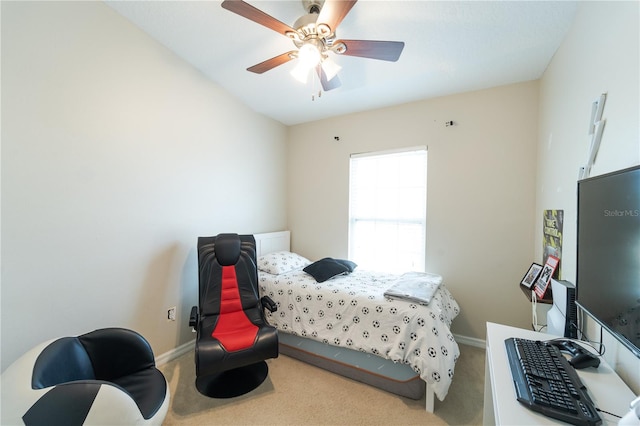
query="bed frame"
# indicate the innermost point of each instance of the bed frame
(367, 368)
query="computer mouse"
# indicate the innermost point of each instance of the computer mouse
(584, 360)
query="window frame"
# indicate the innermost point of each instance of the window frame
(420, 220)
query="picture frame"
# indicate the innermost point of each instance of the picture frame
(542, 283)
(532, 275)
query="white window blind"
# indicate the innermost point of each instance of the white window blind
(387, 210)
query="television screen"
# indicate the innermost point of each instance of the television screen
(608, 256)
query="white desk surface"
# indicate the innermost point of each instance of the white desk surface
(607, 391)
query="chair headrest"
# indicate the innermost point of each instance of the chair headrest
(227, 249)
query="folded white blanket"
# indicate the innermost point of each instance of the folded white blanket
(418, 287)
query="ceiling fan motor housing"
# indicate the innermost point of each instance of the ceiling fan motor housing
(307, 29)
(312, 6)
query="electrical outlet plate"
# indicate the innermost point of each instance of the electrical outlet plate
(171, 314)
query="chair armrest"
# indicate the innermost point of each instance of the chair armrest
(193, 318)
(268, 303)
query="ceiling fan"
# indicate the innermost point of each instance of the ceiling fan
(314, 35)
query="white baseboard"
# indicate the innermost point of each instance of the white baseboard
(186, 347)
(471, 341)
(175, 353)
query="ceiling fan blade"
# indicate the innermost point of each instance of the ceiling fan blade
(327, 85)
(272, 63)
(333, 12)
(256, 15)
(373, 49)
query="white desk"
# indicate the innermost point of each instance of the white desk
(606, 389)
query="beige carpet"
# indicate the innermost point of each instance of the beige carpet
(296, 393)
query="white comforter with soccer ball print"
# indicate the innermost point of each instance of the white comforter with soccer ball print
(352, 311)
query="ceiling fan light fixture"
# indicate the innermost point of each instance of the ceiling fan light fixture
(309, 55)
(330, 68)
(300, 73)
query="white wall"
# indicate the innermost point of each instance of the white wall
(599, 55)
(480, 204)
(116, 156)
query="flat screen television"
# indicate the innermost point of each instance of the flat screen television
(608, 253)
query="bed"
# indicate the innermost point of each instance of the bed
(347, 325)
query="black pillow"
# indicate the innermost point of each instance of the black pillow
(349, 264)
(325, 269)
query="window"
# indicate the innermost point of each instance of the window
(388, 210)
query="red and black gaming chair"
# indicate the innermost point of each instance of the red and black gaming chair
(233, 337)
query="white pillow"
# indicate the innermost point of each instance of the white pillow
(281, 262)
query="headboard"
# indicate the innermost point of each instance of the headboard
(272, 241)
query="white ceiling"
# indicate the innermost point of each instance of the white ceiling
(450, 47)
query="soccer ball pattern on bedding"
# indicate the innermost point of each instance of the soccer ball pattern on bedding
(351, 311)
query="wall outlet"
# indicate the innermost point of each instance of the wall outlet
(171, 313)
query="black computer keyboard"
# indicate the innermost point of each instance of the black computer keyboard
(545, 382)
